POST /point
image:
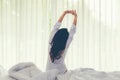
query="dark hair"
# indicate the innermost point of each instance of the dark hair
(58, 43)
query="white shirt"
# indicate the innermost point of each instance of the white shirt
(59, 64)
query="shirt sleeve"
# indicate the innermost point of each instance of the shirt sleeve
(72, 31)
(71, 34)
(70, 38)
(54, 30)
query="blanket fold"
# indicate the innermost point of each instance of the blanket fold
(28, 71)
(24, 71)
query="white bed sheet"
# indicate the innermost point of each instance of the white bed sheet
(89, 74)
(77, 74)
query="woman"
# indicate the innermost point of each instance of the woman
(59, 42)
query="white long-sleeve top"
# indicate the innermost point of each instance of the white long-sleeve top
(59, 64)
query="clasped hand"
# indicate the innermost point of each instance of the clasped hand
(73, 12)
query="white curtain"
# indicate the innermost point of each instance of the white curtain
(25, 26)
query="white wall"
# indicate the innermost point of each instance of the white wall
(25, 27)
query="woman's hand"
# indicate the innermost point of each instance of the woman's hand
(62, 16)
(67, 11)
(73, 12)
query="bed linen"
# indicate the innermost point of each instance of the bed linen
(29, 71)
(89, 74)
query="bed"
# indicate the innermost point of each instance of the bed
(28, 71)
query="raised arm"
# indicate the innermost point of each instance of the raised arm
(75, 20)
(58, 24)
(73, 12)
(62, 16)
(73, 28)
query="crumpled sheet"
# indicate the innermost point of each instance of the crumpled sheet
(89, 74)
(28, 71)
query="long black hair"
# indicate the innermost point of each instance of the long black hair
(58, 43)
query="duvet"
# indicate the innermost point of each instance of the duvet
(89, 74)
(28, 71)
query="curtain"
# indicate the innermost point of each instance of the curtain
(25, 27)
